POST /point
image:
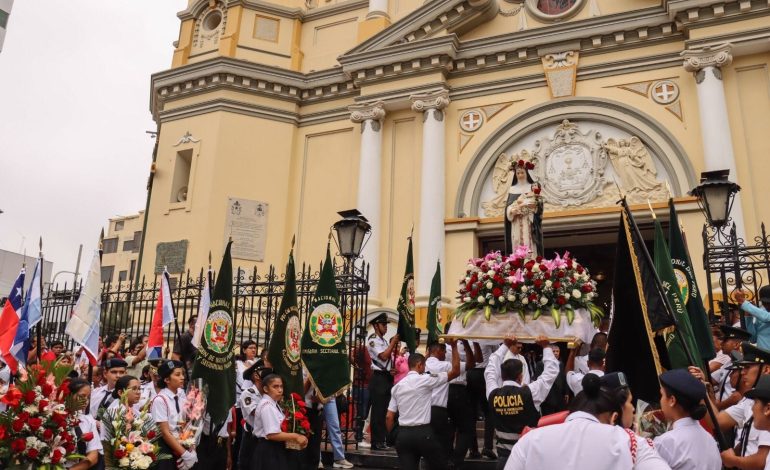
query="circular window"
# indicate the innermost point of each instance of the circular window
(553, 10)
(212, 21)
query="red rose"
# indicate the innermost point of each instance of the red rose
(556, 284)
(530, 275)
(47, 390)
(580, 269)
(42, 404)
(150, 435)
(89, 435)
(561, 300)
(570, 264)
(59, 418)
(497, 292)
(547, 276)
(543, 268)
(517, 264)
(530, 166)
(65, 436)
(69, 447)
(299, 416)
(515, 286)
(17, 425)
(120, 453)
(11, 397)
(533, 297)
(35, 423)
(32, 453)
(42, 376)
(539, 259)
(530, 264)
(285, 426)
(47, 434)
(560, 274)
(538, 283)
(587, 288)
(521, 163)
(3, 432)
(536, 190)
(305, 425)
(18, 446)
(57, 456)
(296, 396)
(29, 397)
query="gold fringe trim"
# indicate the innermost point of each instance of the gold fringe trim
(318, 392)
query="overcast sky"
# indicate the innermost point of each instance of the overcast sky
(74, 108)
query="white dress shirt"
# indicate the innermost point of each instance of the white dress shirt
(487, 349)
(539, 388)
(87, 424)
(740, 413)
(721, 376)
(248, 402)
(268, 418)
(575, 379)
(526, 377)
(411, 397)
(461, 379)
(164, 409)
(375, 345)
(581, 364)
(582, 442)
(100, 396)
(688, 447)
(440, 394)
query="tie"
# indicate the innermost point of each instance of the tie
(104, 399)
(176, 403)
(745, 437)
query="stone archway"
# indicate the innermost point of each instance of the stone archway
(662, 146)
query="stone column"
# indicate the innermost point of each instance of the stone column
(369, 200)
(717, 140)
(430, 246)
(378, 9)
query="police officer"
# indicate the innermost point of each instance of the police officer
(101, 397)
(248, 401)
(513, 405)
(411, 399)
(381, 352)
(725, 392)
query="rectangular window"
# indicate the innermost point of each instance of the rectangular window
(181, 176)
(132, 269)
(119, 224)
(4, 19)
(107, 272)
(110, 245)
(122, 276)
(128, 245)
(266, 28)
(137, 241)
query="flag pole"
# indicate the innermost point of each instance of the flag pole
(101, 252)
(40, 323)
(670, 311)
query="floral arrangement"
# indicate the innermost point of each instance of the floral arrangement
(296, 420)
(129, 440)
(521, 284)
(37, 430)
(193, 414)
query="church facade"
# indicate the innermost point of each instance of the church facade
(275, 115)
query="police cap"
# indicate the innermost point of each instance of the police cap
(381, 318)
(682, 382)
(732, 332)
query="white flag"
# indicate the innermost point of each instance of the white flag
(83, 326)
(203, 312)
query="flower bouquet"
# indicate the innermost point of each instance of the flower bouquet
(191, 428)
(525, 285)
(296, 418)
(130, 440)
(37, 429)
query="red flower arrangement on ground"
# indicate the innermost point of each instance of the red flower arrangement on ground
(38, 427)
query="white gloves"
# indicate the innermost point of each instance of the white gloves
(187, 460)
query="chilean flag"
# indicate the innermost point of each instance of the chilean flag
(9, 321)
(31, 314)
(164, 314)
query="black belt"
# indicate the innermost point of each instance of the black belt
(418, 426)
(381, 372)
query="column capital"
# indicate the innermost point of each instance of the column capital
(437, 100)
(367, 112)
(696, 60)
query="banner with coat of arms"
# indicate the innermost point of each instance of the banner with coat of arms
(406, 330)
(284, 350)
(324, 352)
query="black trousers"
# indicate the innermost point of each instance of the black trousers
(212, 452)
(248, 444)
(414, 442)
(379, 394)
(461, 422)
(477, 392)
(312, 453)
(439, 421)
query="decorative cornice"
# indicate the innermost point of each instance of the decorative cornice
(709, 56)
(278, 10)
(437, 100)
(367, 112)
(698, 13)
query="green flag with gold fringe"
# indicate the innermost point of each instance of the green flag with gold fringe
(214, 360)
(406, 304)
(284, 350)
(434, 302)
(324, 351)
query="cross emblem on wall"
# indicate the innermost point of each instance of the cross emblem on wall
(665, 92)
(471, 121)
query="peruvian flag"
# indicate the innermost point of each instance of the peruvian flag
(9, 321)
(164, 314)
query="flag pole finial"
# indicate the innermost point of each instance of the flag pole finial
(209, 259)
(294, 240)
(652, 211)
(40, 246)
(230, 238)
(620, 191)
(411, 232)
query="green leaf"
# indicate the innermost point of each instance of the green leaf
(556, 315)
(537, 313)
(467, 317)
(488, 312)
(570, 316)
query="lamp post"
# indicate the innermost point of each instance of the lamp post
(352, 231)
(716, 195)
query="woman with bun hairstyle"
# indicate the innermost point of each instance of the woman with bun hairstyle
(270, 452)
(687, 446)
(129, 387)
(589, 437)
(88, 445)
(166, 411)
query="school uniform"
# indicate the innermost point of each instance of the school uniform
(575, 379)
(212, 450)
(167, 408)
(146, 394)
(439, 415)
(248, 402)
(87, 424)
(269, 455)
(747, 437)
(688, 447)
(380, 387)
(101, 398)
(459, 407)
(411, 399)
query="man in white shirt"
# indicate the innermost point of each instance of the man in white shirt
(101, 397)
(461, 415)
(595, 366)
(411, 399)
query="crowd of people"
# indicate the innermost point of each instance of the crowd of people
(543, 405)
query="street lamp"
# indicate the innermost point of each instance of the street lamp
(352, 233)
(716, 195)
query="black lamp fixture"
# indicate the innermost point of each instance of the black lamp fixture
(352, 233)
(716, 195)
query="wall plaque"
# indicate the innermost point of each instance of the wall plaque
(246, 223)
(173, 255)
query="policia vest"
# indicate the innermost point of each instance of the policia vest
(512, 409)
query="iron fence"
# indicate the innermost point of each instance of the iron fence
(128, 308)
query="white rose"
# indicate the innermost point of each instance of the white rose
(584, 276)
(536, 268)
(543, 300)
(524, 289)
(480, 299)
(501, 299)
(124, 462)
(576, 293)
(489, 285)
(525, 301)
(491, 301)
(471, 266)
(491, 272)
(566, 295)
(144, 462)
(548, 283)
(467, 279)
(466, 299)
(511, 298)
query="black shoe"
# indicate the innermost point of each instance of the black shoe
(474, 455)
(380, 447)
(488, 454)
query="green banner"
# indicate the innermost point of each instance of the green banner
(406, 304)
(676, 353)
(214, 360)
(324, 351)
(434, 323)
(284, 350)
(688, 288)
